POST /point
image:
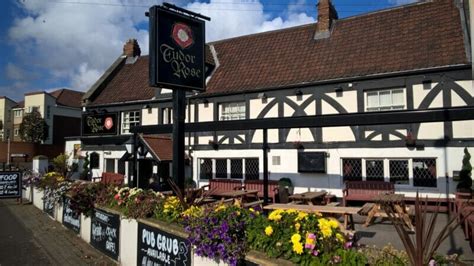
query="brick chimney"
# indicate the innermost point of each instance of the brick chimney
(131, 48)
(327, 14)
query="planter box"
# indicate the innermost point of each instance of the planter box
(128, 241)
(38, 198)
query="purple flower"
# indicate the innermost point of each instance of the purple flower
(348, 245)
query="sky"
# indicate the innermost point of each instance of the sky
(50, 44)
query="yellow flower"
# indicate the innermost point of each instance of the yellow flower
(298, 248)
(295, 238)
(251, 210)
(275, 215)
(290, 211)
(297, 226)
(268, 230)
(333, 223)
(221, 207)
(301, 216)
(340, 238)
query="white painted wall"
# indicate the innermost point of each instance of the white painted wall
(128, 241)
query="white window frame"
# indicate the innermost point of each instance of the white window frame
(18, 113)
(379, 107)
(167, 115)
(232, 111)
(16, 132)
(128, 120)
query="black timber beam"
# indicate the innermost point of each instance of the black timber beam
(334, 120)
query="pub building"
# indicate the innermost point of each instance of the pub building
(411, 57)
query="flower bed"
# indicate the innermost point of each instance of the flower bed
(226, 233)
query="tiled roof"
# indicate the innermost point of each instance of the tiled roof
(20, 104)
(161, 146)
(67, 97)
(412, 37)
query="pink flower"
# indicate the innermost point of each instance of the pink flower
(309, 246)
(348, 245)
(316, 253)
(312, 236)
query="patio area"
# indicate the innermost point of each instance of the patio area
(381, 233)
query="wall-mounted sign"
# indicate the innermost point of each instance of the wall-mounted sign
(157, 247)
(105, 232)
(48, 204)
(311, 162)
(71, 219)
(10, 185)
(177, 54)
(99, 124)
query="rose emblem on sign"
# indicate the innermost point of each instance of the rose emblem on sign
(182, 35)
(109, 123)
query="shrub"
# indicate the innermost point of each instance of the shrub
(136, 203)
(465, 179)
(84, 195)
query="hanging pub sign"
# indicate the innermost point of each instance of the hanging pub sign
(177, 43)
(71, 219)
(105, 232)
(157, 247)
(99, 124)
(10, 185)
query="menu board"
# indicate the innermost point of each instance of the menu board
(157, 247)
(48, 204)
(10, 185)
(105, 232)
(71, 219)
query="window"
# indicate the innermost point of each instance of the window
(276, 160)
(167, 115)
(424, 172)
(17, 132)
(18, 113)
(236, 168)
(129, 120)
(251, 169)
(399, 171)
(232, 111)
(374, 170)
(221, 168)
(32, 109)
(352, 169)
(385, 100)
(205, 169)
(94, 160)
(110, 165)
(48, 112)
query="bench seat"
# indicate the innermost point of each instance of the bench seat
(365, 190)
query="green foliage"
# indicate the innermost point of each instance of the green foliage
(285, 182)
(85, 168)
(135, 203)
(465, 179)
(60, 164)
(33, 128)
(85, 195)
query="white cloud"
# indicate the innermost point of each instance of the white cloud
(14, 72)
(77, 42)
(232, 18)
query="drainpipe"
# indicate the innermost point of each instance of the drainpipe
(8, 151)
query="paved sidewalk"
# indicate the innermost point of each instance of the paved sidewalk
(29, 237)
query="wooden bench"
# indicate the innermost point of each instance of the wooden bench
(258, 185)
(365, 190)
(219, 186)
(112, 178)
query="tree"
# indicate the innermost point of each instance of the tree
(33, 128)
(465, 180)
(61, 165)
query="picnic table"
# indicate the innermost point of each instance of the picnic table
(398, 203)
(239, 194)
(309, 198)
(347, 212)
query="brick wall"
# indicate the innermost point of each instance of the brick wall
(30, 149)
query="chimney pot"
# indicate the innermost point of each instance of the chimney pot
(131, 48)
(326, 16)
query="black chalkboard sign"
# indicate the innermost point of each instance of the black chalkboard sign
(157, 247)
(10, 185)
(71, 219)
(311, 162)
(48, 205)
(105, 232)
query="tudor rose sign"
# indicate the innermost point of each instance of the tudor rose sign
(176, 50)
